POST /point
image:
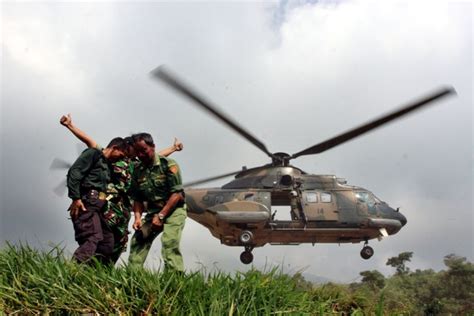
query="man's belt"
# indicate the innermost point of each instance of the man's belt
(92, 193)
(116, 198)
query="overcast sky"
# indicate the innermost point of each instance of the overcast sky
(293, 72)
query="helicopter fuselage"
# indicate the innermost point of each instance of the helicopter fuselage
(323, 209)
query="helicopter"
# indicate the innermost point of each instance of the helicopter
(323, 208)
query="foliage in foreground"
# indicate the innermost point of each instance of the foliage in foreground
(34, 282)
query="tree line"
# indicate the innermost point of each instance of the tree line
(419, 292)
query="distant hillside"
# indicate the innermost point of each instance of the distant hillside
(316, 279)
(34, 282)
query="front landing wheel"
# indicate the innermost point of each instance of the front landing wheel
(367, 252)
(246, 257)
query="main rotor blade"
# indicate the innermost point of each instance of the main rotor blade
(60, 189)
(190, 184)
(173, 81)
(333, 142)
(59, 164)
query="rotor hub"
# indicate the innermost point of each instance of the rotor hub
(280, 159)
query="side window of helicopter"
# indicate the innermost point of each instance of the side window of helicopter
(311, 197)
(362, 196)
(326, 197)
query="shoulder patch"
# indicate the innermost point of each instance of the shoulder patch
(174, 169)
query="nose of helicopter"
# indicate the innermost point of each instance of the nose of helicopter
(401, 218)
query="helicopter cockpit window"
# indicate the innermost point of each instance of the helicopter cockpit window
(377, 200)
(362, 196)
(311, 197)
(366, 197)
(325, 197)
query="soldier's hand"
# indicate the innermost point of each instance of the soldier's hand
(76, 207)
(178, 145)
(66, 120)
(137, 224)
(156, 222)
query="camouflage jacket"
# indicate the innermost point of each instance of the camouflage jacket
(156, 183)
(121, 179)
(117, 214)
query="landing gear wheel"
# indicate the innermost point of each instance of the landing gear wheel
(246, 257)
(367, 252)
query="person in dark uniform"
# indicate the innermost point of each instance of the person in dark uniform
(87, 181)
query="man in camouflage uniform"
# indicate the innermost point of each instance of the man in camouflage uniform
(87, 182)
(117, 212)
(156, 180)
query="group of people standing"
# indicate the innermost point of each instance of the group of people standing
(107, 184)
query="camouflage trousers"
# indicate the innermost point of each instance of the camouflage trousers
(117, 217)
(171, 231)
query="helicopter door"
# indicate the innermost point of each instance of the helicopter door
(319, 206)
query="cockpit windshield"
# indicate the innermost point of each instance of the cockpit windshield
(377, 200)
(367, 197)
(362, 196)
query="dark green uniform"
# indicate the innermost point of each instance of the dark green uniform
(154, 185)
(87, 180)
(90, 170)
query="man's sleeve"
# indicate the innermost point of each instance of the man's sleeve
(173, 176)
(134, 192)
(78, 171)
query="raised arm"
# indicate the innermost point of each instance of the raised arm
(66, 121)
(177, 146)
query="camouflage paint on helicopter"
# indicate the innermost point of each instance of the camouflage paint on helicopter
(324, 209)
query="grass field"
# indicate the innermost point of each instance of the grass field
(36, 282)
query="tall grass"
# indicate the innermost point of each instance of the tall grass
(36, 282)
